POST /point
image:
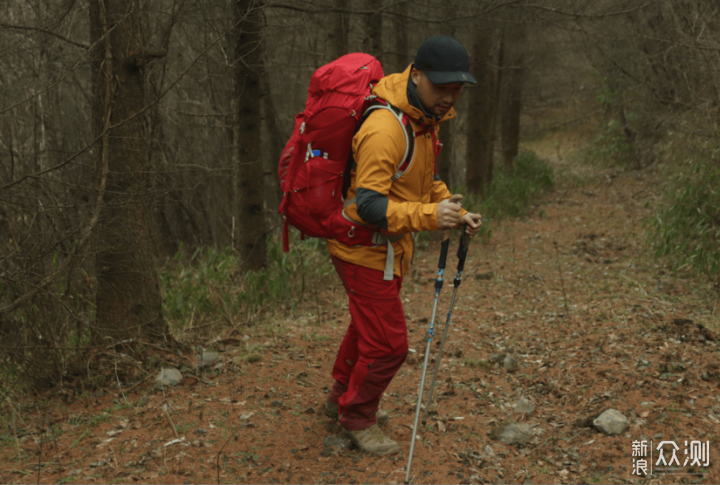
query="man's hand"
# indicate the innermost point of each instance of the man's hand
(448, 212)
(472, 223)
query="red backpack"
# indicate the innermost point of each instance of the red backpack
(315, 165)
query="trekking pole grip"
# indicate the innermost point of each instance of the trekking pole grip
(462, 248)
(443, 253)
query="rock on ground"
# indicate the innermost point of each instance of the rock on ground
(512, 433)
(337, 441)
(168, 377)
(611, 422)
(523, 406)
(208, 359)
(510, 363)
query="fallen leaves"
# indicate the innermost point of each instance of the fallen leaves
(571, 368)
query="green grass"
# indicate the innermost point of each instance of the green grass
(99, 418)
(610, 148)
(206, 286)
(314, 337)
(686, 229)
(481, 364)
(512, 194)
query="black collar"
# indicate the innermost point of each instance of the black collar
(415, 101)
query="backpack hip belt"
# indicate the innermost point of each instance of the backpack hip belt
(378, 238)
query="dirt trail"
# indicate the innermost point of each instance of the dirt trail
(569, 293)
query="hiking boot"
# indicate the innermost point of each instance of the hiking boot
(330, 409)
(372, 440)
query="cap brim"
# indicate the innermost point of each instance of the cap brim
(446, 77)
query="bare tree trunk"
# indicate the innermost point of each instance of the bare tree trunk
(128, 294)
(250, 218)
(372, 43)
(337, 34)
(274, 143)
(401, 59)
(511, 98)
(482, 114)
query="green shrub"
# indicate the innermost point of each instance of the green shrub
(611, 147)
(207, 285)
(686, 229)
(511, 194)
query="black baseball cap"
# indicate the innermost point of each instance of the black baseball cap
(444, 60)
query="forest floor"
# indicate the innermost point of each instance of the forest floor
(570, 292)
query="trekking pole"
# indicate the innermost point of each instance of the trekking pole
(438, 286)
(461, 254)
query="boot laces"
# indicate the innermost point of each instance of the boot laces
(376, 434)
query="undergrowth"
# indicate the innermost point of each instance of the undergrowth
(686, 229)
(512, 194)
(614, 146)
(205, 286)
(610, 148)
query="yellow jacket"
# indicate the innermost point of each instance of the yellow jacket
(410, 202)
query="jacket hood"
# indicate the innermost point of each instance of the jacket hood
(393, 89)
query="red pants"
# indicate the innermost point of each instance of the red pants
(374, 347)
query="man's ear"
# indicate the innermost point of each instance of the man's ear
(415, 75)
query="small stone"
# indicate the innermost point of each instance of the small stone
(277, 404)
(338, 442)
(611, 422)
(98, 464)
(512, 433)
(489, 451)
(524, 406)
(201, 431)
(208, 359)
(168, 377)
(510, 363)
(488, 275)
(497, 358)
(75, 472)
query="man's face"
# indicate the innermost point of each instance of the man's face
(435, 98)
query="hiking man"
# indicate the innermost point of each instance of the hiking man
(375, 345)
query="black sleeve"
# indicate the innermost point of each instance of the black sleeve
(372, 207)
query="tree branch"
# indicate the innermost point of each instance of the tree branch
(119, 123)
(386, 10)
(44, 31)
(581, 15)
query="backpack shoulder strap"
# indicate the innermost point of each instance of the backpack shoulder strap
(406, 125)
